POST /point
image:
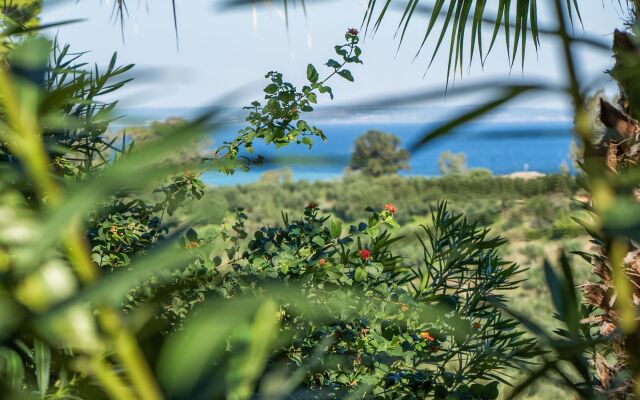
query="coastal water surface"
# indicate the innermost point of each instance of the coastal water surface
(502, 148)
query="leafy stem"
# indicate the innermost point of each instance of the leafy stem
(277, 119)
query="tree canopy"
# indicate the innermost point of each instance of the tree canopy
(377, 153)
(452, 163)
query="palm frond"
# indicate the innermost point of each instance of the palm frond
(465, 20)
(462, 20)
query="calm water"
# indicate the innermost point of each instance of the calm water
(501, 148)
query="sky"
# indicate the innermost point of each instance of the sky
(221, 56)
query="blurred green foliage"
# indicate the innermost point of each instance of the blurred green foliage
(106, 292)
(452, 164)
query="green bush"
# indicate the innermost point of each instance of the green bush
(403, 322)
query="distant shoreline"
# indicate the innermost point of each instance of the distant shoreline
(254, 177)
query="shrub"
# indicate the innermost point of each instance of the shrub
(387, 329)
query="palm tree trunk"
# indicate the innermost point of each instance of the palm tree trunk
(618, 152)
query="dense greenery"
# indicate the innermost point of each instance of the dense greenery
(535, 214)
(111, 254)
(347, 197)
(403, 323)
(110, 288)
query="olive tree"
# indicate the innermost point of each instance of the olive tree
(377, 153)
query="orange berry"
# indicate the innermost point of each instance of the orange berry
(426, 336)
(192, 245)
(390, 208)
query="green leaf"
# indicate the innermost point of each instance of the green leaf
(319, 241)
(340, 51)
(287, 96)
(11, 315)
(190, 351)
(308, 141)
(556, 289)
(271, 89)
(373, 231)
(326, 89)
(246, 367)
(509, 94)
(312, 98)
(191, 235)
(360, 274)
(312, 74)
(333, 64)
(346, 74)
(392, 223)
(490, 391)
(336, 228)
(42, 362)
(11, 368)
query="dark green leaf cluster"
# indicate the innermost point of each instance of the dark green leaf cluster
(129, 225)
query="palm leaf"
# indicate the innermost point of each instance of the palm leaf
(42, 363)
(475, 113)
(457, 16)
(462, 13)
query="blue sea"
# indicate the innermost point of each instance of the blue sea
(502, 148)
